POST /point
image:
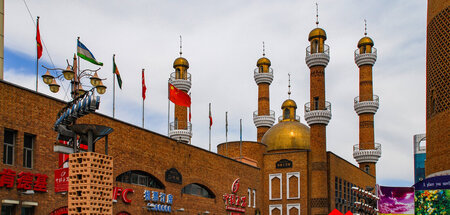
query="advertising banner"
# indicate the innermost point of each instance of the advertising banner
(396, 200)
(61, 180)
(432, 196)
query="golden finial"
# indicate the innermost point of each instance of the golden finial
(289, 85)
(264, 49)
(317, 14)
(365, 27)
(181, 46)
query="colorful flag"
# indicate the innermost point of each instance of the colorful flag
(144, 88)
(210, 116)
(179, 97)
(83, 52)
(116, 71)
(38, 41)
(190, 110)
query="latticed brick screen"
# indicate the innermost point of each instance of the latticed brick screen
(438, 68)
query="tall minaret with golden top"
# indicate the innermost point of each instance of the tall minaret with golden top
(180, 129)
(317, 115)
(367, 152)
(263, 117)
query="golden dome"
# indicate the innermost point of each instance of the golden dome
(287, 135)
(263, 61)
(289, 103)
(365, 41)
(181, 61)
(317, 32)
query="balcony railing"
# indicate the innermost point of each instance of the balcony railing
(264, 120)
(365, 58)
(315, 58)
(182, 83)
(263, 77)
(280, 118)
(180, 131)
(370, 104)
(367, 155)
(318, 115)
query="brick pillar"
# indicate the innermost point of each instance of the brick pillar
(181, 115)
(318, 165)
(90, 184)
(263, 107)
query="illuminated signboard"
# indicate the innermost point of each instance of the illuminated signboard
(233, 202)
(158, 201)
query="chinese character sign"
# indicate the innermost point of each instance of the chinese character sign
(25, 180)
(158, 201)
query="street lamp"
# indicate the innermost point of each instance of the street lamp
(367, 201)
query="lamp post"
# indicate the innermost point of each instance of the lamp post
(83, 102)
(366, 203)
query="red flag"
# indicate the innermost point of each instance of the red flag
(178, 96)
(144, 88)
(210, 116)
(38, 40)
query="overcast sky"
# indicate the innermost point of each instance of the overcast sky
(222, 41)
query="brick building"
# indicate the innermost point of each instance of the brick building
(287, 171)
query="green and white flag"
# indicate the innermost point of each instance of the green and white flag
(83, 52)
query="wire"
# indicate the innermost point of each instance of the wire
(43, 43)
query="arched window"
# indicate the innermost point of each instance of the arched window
(286, 113)
(315, 46)
(261, 69)
(198, 190)
(178, 74)
(367, 168)
(140, 178)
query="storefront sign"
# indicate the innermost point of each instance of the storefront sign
(283, 163)
(60, 211)
(158, 201)
(61, 180)
(123, 193)
(25, 180)
(232, 201)
(172, 175)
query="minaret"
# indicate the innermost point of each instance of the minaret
(317, 115)
(180, 128)
(263, 117)
(367, 152)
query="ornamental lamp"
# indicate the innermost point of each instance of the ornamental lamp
(101, 89)
(68, 73)
(47, 78)
(54, 87)
(95, 80)
(80, 91)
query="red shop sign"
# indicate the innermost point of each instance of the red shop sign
(61, 180)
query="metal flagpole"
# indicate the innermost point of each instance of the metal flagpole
(168, 107)
(226, 133)
(114, 86)
(209, 126)
(240, 143)
(37, 58)
(143, 99)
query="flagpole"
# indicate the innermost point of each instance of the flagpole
(143, 81)
(114, 87)
(240, 143)
(168, 107)
(209, 126)
(37, 58)
(226, 132)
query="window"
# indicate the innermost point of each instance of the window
(8, 147)
(293, 185)
(275, 185)
(140, 178)
(28, 145)
(7, 210)
(367, 168)
(315, 47)
(275, 209)
(254, 198)
(249, 197)
(293, 209)
(27, 211)
(198, 190)
(287, 112)
(316, 103)
(178, 74)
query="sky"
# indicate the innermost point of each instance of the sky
(222, 40)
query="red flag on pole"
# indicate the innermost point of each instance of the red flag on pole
(210, 116)
(144, 88)
(38, 40)
(179, 97)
